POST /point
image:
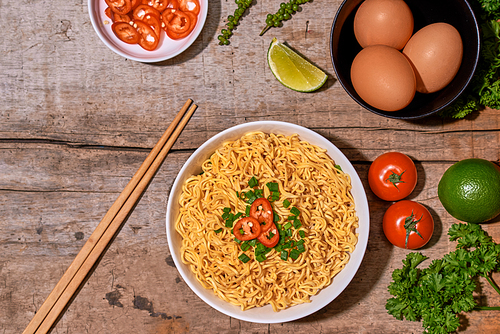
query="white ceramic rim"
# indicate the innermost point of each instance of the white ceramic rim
(167, 48)
(266, 314)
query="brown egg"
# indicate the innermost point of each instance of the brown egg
(385, 22)
(383, 78)
(435, 51)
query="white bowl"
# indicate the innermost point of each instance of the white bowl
(167, 48)
(266, 314)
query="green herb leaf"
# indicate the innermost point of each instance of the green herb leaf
(244, 258)
(286, 203)
(253, 182)
(218, 230)
(284, 255)
(245, 246)
(294, 254)
(297, 224)
(295, 211)
(273, 187)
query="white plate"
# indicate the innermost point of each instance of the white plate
(266, 314)
(167, 48)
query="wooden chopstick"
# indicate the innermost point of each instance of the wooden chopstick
(104, 233)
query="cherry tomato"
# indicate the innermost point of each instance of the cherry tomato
(176, 21)
(392, 176)
(262, 210)
(142, 10)
(249, 226)
(125, 32)
(173, 35)
(149, 40)
(269, 238)
(119, 6)
(408, 224)
(192, 6)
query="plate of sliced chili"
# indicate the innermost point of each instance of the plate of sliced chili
(148, 30)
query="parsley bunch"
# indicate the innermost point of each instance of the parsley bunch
(484, 88)
(435, 295)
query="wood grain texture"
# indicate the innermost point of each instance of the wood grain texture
(77, 121)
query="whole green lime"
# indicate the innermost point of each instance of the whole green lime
(470, 190)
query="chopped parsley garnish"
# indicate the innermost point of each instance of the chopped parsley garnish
(286, 203)
(338, 167)
(218, 231)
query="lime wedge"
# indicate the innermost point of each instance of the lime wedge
(292, 70)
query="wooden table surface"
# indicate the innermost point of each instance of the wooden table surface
(77, 120)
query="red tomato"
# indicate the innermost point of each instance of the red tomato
(262, 210)
(392, 176)
(408, 224)
(270, 237)
(192, 6)
(119, 6)
(149, 40)
(249, 226)
(173, 35)
(176, 21)
(126, 33)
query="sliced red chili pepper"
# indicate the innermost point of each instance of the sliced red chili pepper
(149, 40)
(135, 3)
(108, 13)
(247, 228)
(121, 17)
(119, 6)
(126, 33)
(192, 6)
(154, 22)
(173, 35)
(262, 210)
(176, 21)
(142, 10)
(269, 238)
(160, 5)
(173, 4)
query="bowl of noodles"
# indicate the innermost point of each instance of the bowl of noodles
(320, 213)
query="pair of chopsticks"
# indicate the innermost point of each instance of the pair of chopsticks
(68, 286)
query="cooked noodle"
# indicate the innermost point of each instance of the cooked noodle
(308, 179)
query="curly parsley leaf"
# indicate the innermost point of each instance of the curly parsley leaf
(437, 294)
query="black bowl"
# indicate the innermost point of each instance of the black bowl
(344, 47)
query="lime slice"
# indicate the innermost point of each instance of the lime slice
(292, 70)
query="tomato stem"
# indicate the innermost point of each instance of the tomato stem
(410, 226)
(395, 178)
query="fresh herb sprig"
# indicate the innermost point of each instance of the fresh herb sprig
(484, 88)
(233, 21)
(287, 9)
(437, 294)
